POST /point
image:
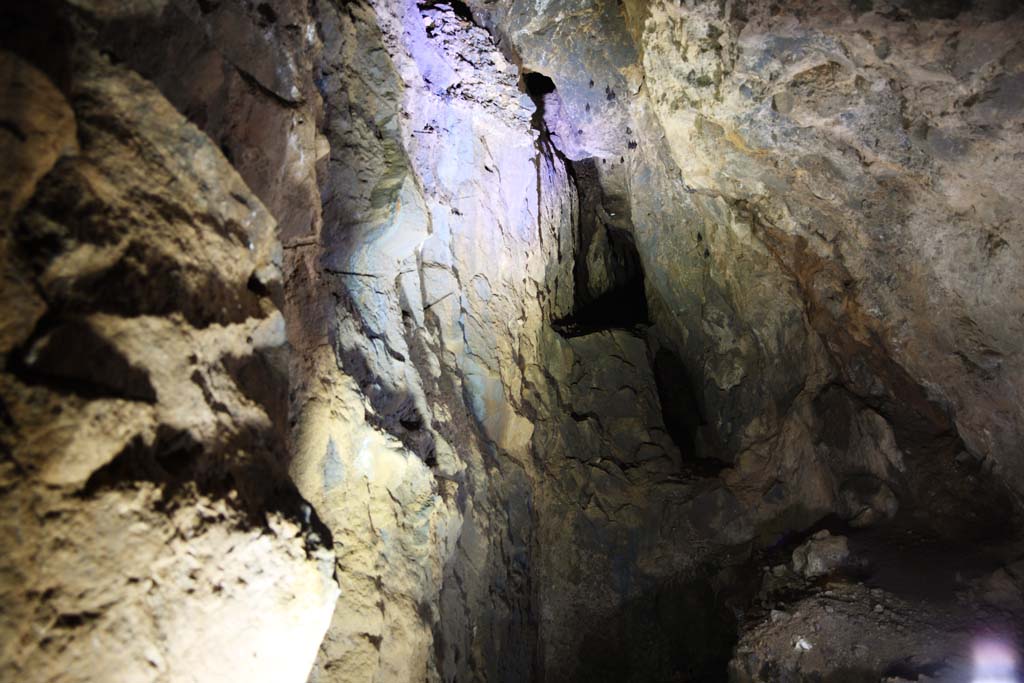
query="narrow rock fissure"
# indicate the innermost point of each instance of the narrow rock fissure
(607, 272)
(678, 628)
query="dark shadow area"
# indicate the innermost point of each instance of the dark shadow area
(851, 675)
(951, 494)
(621, 308)
(681, 413)
(923, 567)
(608, 274)
(460, 9)
(679, 631)
(41, 33)
(911, 671)
(931, 9)
(70, 356)
(182, 466)
(537, 86)
(910, 562)
(263, 378)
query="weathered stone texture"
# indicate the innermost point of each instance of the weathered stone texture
(556, 320)
(149, 529)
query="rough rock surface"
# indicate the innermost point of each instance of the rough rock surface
(789, 173)
(822, 202)
(149, 528)
(555, 320)
(820, 555)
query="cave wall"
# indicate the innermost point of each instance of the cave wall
(408, 289)
(486, 381)
(150, 530)
(426, 236)
(822, 201)
(444, 222)
(822, 197)
(840, 176)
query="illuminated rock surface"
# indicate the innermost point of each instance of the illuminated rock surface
(509, 341)
(149, 530)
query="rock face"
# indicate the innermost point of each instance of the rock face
(149, 530)
(398, 341)
(797, 184)
(789, 174)
(816, 125)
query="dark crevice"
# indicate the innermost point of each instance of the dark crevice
(682, 415)
(607, 272)
(75, 619)
(267, 14)
(13, 129)
(172, 458)
(459, 9)
(538, 86)
(256, 85)
(263, 378)
(616, 310)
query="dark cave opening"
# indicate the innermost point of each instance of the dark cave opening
(538, 86)
(683, 416)
(458, 8)
(621, 308)
(461, 10)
